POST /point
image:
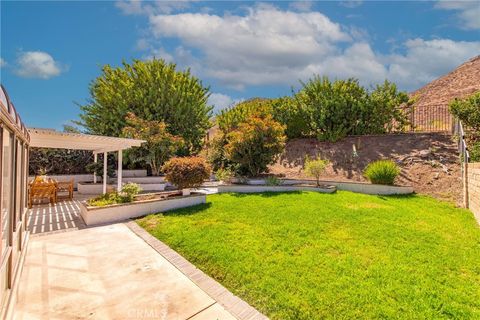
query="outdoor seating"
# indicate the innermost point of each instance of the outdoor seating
(64, 187)
(42, 189)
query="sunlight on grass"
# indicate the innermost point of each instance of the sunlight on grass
(343, 256)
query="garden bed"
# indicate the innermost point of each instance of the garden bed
(142, 205)
(359, 187)
(281, 188)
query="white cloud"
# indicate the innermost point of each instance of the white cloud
(468, 12)
(3, 63)
(268, 46)
(265, 40)
(426, 60)
(37, 64)
(221, 101)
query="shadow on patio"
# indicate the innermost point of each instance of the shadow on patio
(63, 215)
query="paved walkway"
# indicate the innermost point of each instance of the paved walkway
(107, 272)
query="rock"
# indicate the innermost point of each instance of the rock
(436, 175)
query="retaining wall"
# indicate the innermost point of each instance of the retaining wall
(473, 189)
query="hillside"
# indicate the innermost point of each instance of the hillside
(431, 107)
(429, 162)
(459, 83)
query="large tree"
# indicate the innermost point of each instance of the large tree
(154, 91)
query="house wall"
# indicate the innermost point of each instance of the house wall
(473, 187)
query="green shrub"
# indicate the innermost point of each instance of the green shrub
(107, 199)
(130, 190)
(187, 172)
(229, 119)
(225, 175)
(126, 195)
(315, 168)
(382, 172)
(273, 181)
(97, 168)
(255, 144)
(474, 152)
(468, 111)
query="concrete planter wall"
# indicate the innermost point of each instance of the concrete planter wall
(133, 173)
(120, 212)
(90, 188)
(263, 188)
(366, 188)
(144, 179)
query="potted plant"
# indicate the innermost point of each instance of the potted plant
(186, 172)
(42, 174)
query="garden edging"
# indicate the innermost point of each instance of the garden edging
(264, 188)
(125, 211)
(359, 187)
(233, 304)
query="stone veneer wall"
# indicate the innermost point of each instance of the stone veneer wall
(473, 185)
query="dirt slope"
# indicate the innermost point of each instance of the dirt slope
(429, 162)
(459, 83)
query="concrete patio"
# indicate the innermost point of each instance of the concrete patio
(107, 272)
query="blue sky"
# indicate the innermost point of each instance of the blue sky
(51, 51)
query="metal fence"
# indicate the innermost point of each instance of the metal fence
(464, 158)
(436, 118)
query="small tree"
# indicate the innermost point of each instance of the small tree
(468, 111)
(186, 172)
(255, 144)
(160, 145)
(315, 168)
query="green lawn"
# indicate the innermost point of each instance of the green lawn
(340, 256)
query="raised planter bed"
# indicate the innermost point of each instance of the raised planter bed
(144, 205)
(366, 188)
(93, 188)
(264, 188)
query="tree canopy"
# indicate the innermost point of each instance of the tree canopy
(154, 91)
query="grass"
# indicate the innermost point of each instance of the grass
(338, 256)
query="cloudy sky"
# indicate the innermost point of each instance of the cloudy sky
(51, 51)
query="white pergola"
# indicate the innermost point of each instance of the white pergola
(50, 138)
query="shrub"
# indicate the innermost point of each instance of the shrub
(273, 181)
(382, 172)
(216, 154)
(315, 168)
(474, 151)
(130, 190)
(186, 172)
(468, 111)
(160, 145)
(225, 175)
(97, 168)
(255, 144)
(229, 119)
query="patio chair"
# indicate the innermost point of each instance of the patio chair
(41, 190)
(65, 187)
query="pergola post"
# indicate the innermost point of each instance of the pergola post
(94, 173)
(104, 172)
(119, 170)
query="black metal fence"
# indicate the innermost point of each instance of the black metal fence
(434, 118)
